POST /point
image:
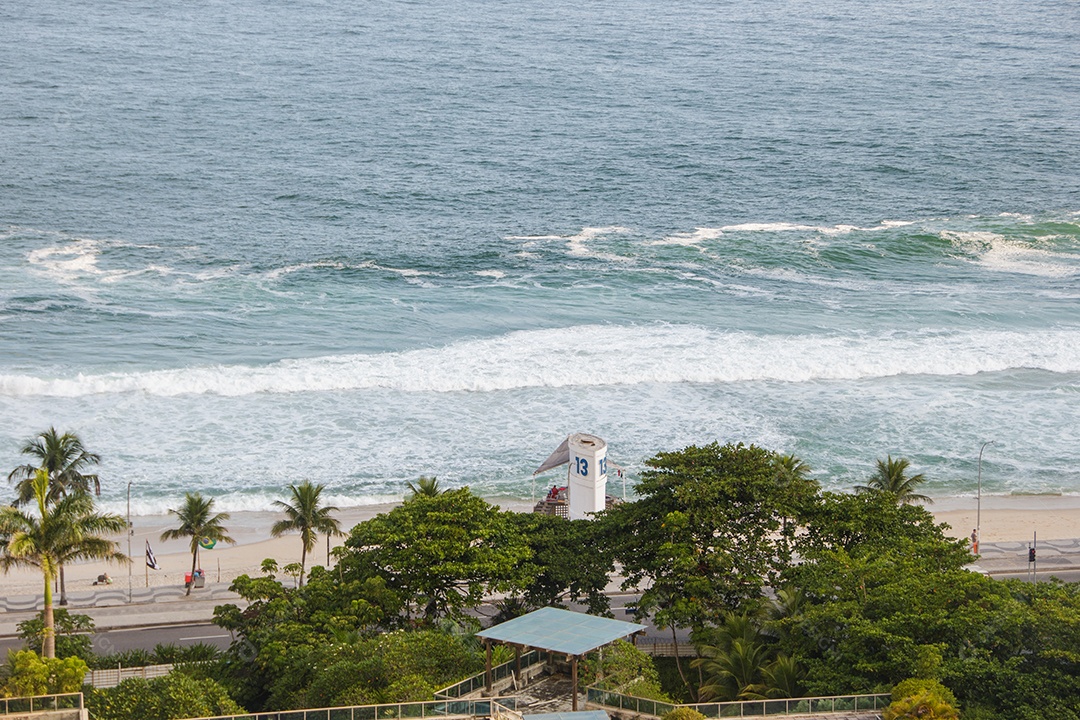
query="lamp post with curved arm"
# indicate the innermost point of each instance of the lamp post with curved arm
(978, 505)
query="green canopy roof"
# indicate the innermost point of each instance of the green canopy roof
(560, 631)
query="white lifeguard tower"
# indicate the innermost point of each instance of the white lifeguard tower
(586, 478)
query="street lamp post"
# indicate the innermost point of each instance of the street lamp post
(130, 531)
(978, 504)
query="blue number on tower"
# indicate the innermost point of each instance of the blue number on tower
(582, 467)
(603, 466)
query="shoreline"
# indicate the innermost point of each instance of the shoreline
(1010, 518)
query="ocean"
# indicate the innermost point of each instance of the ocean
(244, 244)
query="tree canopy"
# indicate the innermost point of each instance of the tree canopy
(444, 552)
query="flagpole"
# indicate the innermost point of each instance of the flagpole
(130, 532)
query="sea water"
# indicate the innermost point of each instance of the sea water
(244, 244)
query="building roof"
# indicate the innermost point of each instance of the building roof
(582, 715)
(560, 631)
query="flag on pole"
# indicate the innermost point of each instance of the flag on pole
(151, 561)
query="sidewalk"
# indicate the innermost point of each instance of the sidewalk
(109, 607)
(1012, 557)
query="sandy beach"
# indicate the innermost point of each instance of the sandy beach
(1003, 518)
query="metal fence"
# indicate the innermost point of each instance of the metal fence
(38, 703)
(745, 708)
(667, 649)
(114, 676)
(390, 711)
(474, 683)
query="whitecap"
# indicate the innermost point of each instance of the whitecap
(598, 355)
(999, 254)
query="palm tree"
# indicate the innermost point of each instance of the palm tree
(425, 486)
(62, 532)
(734, 672)
(65, 459)
(197, 523)
(891, 477)
(305, 515)
(799, 489)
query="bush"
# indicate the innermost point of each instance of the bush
(435, 656)
(128, 658)
(27, 674)
(174, 696)
(410, 688)
(916, 686)
(924, 699)
(683, 713)
(924, 706)
(623, 665)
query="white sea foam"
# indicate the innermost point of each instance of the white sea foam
(1000, 254)
(690, 239)
(596, 355)
(840, 229)
(497, 274)
(577, 244)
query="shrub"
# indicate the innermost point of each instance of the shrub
(26, 674)
(409, 688)
(683, 713)
(924, 699)
(128, 658)
(438, 657)
(924, 706)
(915, 686)
(174, 696)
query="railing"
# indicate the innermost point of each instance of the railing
(38, 703)
(112, 677)
(744, 708)
(390, 711)
(501, 712)
(474, 683)
(667, 649)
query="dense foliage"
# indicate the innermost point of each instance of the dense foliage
(786, 591)
(27, 673)
(72, 634)
(177, 695)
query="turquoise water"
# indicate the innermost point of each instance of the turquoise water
(243, 244)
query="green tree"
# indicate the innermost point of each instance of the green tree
(66, 460)
(557, 570)
(426, 486)
(71, 630)
(198, 523)
(892, 478)
(442, 553)
(706, 534)
(304, 515)
(64, 532)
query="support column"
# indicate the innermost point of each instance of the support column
(517, 659)
(573, 680)
(487, 666)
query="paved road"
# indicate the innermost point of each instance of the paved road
(145, 638)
